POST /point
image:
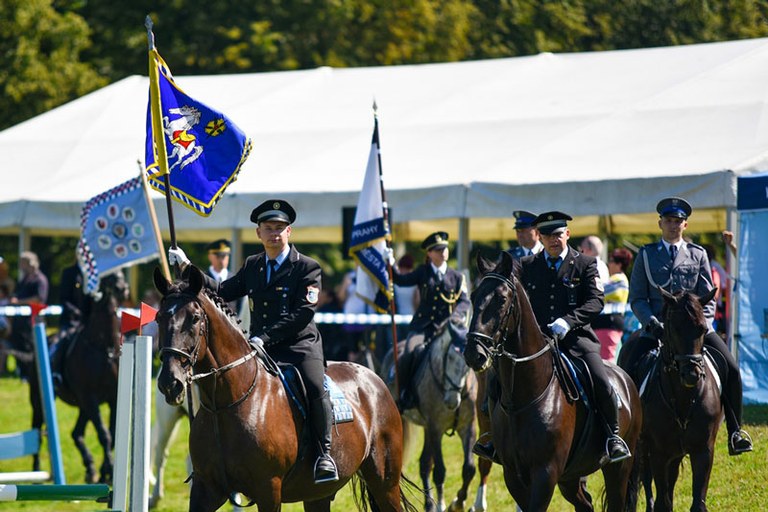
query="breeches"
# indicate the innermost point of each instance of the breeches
(312, 372)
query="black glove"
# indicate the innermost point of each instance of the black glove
(655, 327)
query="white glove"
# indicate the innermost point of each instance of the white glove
(389, 255)
(256, 343)
(177, 257)
(559, 328)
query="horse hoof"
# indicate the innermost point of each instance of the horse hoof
(90, 477)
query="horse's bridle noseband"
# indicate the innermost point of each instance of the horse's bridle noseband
(497, 350)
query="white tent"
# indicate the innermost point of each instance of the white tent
(601, 135)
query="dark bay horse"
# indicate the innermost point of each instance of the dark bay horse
(446, 389)
(542, 438)
(249, 435)
(90, 373)
(682, 411)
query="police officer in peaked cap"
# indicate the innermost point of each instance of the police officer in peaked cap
(283, 287)
(527, 235)
(676, 265)
(444, 299)
(566, 294)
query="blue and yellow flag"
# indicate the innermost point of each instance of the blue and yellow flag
(370, 232)
(204, 149)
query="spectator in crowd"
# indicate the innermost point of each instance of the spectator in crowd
(32, 288)
(593, 246)
(719, 280)
(609, 326)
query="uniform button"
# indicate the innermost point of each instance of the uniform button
(533, 287)
(551, 307)
(551, 296)
(553, 285)
(265, 316)
(432, 318)
(265, 304)
(285, 295)
(434, 307)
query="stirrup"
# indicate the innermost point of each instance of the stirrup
(323, 475)
(732, 450)
(627, 454)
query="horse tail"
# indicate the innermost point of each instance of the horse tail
(410, 440)
(412, 488)
(361, 495)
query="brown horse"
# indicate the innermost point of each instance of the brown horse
(681, 404)
(249, 435)
(447, 393)
(542, 437)
(90, 373)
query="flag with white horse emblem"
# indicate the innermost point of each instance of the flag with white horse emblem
(205, 149)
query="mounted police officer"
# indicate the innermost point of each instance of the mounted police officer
(566, 294)
(283, 286)
(675, 265)
(528, 238)
(444, 299)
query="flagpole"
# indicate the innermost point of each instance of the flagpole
(155, 224)
(157, 127)
(385, 213)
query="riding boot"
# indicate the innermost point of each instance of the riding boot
(486, 449)
(739, 440)
(615, 446)
(57, 361)
(321, 416)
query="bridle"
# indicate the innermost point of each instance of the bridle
(498, 350)
(203, 333)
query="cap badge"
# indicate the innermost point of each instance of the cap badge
(550, 217)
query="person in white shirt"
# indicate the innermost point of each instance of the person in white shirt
(593, 246)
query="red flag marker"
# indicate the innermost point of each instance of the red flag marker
(37, 307)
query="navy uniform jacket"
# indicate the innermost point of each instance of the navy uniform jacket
(283, 311)
(519, 252)
(574, 294)
(439, 301)
(75, 303)
(690, 271)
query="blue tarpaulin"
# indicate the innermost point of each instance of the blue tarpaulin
(752, 291)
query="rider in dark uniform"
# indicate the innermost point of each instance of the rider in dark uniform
(75, 308)
(283, 287)
(566, 294)
(528, 238)
(444, 298)
(689, 270)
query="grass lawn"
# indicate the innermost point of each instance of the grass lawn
(737, 483)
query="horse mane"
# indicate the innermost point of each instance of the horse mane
(689, 304)
(224, 309)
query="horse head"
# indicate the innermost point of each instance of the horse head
(454, 368)
(494, 302)
(182, 331)
(684, 330)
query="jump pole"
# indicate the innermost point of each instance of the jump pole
(89, 492)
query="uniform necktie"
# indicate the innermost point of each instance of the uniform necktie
(553, 262)
(272, 270)
(439, 277)
(672, 252)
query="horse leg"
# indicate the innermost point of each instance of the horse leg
(163, 430)
(92, 414)
(78, 436)
(468, 468)
(543, 483)
(425, 468)
(701, 468)
(204, 499)
(322, 505)
(665, 472)
(575, 492)
(381, 472)
(36, 401)
(481, 498)
(616, 478)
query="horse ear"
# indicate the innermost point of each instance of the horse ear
(195, 277)
(704, 299)
(161, 283)
(484, 265)
(506, 264)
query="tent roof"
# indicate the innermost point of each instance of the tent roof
(599, 133)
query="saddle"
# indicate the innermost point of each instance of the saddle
(646, 368)
(294, 386)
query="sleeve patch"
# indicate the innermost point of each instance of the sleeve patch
(313, 294)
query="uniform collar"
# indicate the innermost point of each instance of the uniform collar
(679, 244)
(283, 255)
(442, 268)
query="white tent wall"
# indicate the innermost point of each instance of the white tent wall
(600, 135)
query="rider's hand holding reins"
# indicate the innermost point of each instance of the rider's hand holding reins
(559, 328)
(655, 327)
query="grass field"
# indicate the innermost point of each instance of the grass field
(737, 483)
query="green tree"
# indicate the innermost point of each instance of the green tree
(39, 59)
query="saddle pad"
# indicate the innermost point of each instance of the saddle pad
(713, 370)
(342, 411)
(576, 378)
